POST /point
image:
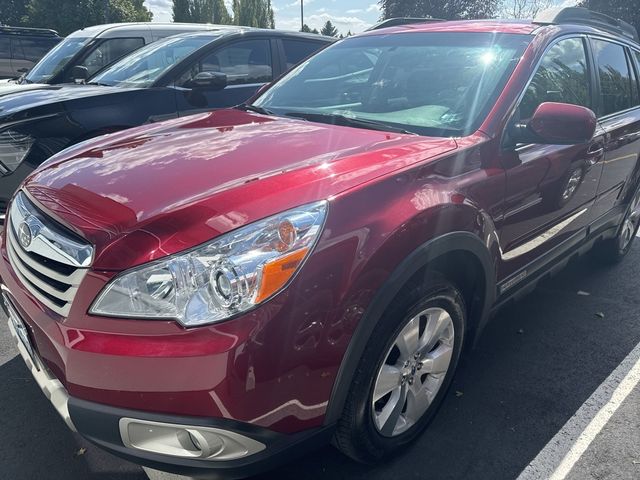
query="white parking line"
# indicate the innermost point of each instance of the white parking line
(559, 456)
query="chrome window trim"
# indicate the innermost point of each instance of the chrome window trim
(47, 240)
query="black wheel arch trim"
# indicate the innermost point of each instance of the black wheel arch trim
(415, 261)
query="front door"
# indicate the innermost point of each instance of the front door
(550, 188)
(248, 64)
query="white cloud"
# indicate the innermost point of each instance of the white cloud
(349, 20)
(342, 23)
(162, 9)
(297, 3)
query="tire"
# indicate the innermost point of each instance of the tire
(362, 432)
(613, 250)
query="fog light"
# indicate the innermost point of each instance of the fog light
(186, 441)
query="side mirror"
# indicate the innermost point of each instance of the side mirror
(79, 74)
(557, 124)
(208, 81)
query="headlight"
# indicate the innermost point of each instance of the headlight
(14, 147)
(219, 279)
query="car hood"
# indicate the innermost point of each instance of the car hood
(19, 98)
(155, 190)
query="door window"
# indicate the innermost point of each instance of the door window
(244, 62)
(615, 76)
(109, 51)
(562, 76)
(296, 50)
(5, 48)
(34, 49)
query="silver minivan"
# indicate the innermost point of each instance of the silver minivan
(93, 48)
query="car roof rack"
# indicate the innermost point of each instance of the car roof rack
(396, 22)
(584, 16)
(46, 32)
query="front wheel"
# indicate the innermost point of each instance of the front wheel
(404, 373)
(615, 249)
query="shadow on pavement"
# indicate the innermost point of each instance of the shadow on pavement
(36, 444)
(536, 363)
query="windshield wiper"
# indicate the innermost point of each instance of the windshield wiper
(343, 120)
(99, 84)
(254, 108)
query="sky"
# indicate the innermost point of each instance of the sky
(354, 15)
(346, 15)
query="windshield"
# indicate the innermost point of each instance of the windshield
(56, 59)
(437, 84)
(143, 67)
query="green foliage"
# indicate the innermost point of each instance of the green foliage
(201, 11)
(307, 29)
(66, 16)
(13, 12)
(329, 30)
(253, 13)
(445, 9)
(626, 10)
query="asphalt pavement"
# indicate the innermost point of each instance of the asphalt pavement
(535, 366)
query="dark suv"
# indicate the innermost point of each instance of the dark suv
(214, 293)
(22, 48)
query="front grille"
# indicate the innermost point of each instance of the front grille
(49, 260)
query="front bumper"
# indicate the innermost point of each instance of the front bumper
(158, 441)
(50, 386)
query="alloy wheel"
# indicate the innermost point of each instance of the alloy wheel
(413, 371)
(630, 224)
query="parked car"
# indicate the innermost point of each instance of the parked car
(173, 77)
(21, 48)
(216, 293)
(95, 48)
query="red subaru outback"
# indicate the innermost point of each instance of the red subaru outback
(209, 294)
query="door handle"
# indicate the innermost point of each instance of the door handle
(595, 153)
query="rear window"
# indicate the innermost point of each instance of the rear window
(5, 47)
(32, 49)
(615, 77)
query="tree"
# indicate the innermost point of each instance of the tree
(626, 10)
(329, 30)
(524, 9)
(13, 12)
(253, 13)
(445, 9)
(201, 11)
(66, 16)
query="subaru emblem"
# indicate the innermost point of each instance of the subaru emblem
(24, 235)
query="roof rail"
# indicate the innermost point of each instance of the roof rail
(583, 16)
(28, 31)
(395, 22)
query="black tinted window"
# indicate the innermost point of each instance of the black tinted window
(5, 48)
(296, 50)
(562, 77)
(109, 51)
(33, 49)
(615, 77)
(243, 62)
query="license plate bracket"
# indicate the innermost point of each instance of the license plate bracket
(21, 330)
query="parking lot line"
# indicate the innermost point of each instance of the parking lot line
(560, 455)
